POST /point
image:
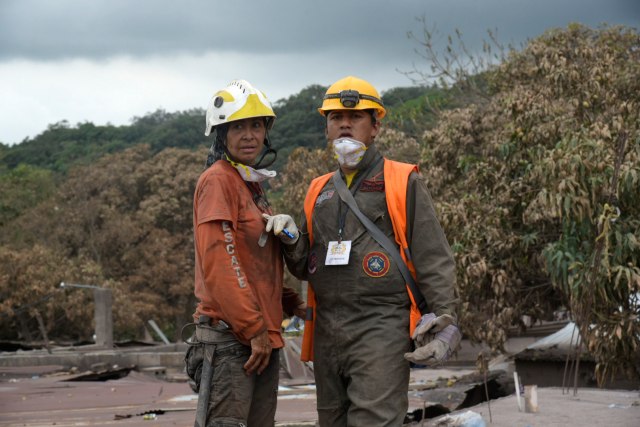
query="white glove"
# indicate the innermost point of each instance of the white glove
(281, 225)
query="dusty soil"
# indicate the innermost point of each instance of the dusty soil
(590, 407)
(38, 398)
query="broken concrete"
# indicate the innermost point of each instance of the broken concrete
(156, 386)
(558, 360)
(38, 396)
(83, 357)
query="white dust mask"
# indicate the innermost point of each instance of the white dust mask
(349, 151)
(250, 174)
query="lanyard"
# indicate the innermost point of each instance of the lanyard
(342, 217)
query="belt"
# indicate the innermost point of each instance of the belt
(207, 334)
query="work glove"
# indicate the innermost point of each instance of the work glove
(430, 324)
(281, 225)
(435, 338)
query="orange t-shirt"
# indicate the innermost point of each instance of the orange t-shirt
(235, 279)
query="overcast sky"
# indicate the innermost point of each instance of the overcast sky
(107, 61)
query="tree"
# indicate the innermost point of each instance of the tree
(128, 216)
(29, 288)
(22, 188)
(538, 191)
(298, 123)
(413, 110)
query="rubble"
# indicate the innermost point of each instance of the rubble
(93, 390)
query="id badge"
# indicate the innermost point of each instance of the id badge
(338, 253)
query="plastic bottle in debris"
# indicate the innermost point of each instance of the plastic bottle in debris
(149, 417)
(465, 419)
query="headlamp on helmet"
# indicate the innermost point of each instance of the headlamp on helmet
(350, 98)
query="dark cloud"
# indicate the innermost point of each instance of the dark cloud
(105, 61)
(51, 30)
(76, 28)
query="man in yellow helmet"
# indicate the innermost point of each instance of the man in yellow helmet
(379, 267)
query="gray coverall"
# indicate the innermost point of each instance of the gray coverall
(362, 312)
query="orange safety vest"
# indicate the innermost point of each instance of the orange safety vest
(396, 178)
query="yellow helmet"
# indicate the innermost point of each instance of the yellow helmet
(239, 100)
(352, 93)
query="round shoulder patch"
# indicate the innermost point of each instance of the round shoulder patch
(375, 264)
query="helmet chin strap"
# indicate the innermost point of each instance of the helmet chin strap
(260, 165)
(269, 150)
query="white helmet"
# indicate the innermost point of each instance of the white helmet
(239, 100)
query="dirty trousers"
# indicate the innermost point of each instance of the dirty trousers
(237, 399)
(365, 386)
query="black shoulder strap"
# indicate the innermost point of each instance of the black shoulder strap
(381, 238)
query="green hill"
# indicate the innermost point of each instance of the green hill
(298, 124)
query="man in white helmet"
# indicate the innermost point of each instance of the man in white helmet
(373, 286)
(233, 360)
